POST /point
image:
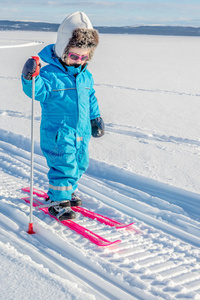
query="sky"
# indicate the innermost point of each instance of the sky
(105, 12)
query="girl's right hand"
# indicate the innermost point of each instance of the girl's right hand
(29, 68)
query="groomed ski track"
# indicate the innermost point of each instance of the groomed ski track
(160, 262)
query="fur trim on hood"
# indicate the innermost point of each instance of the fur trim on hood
(82, 38)
(76, 31)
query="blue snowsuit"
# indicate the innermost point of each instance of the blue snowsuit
(68, 103)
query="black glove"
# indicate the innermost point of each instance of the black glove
(98, 128)
(29, 68)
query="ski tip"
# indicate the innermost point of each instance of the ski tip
(126, 226)
(107, 244)
(25, 189)
(26, 199)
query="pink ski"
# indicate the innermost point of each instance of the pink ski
(86, 233)
(85, 212)
(102, 219)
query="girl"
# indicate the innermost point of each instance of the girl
(70, 111)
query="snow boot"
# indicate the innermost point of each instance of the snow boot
(62, 211)
(75, 200)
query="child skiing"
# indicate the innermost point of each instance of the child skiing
(70, 111)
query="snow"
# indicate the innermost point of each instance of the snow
(144, 170)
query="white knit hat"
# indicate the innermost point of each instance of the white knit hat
(71, 22)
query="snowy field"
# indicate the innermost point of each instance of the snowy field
(144, 170)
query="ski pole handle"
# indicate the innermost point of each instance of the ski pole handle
(37, 71)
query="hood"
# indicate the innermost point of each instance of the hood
(71, 22)
(47, 54)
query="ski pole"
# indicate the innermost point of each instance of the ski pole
(30, 227)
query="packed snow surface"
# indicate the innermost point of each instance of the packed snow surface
(146, 169)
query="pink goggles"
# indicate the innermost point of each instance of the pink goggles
(74, 56)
